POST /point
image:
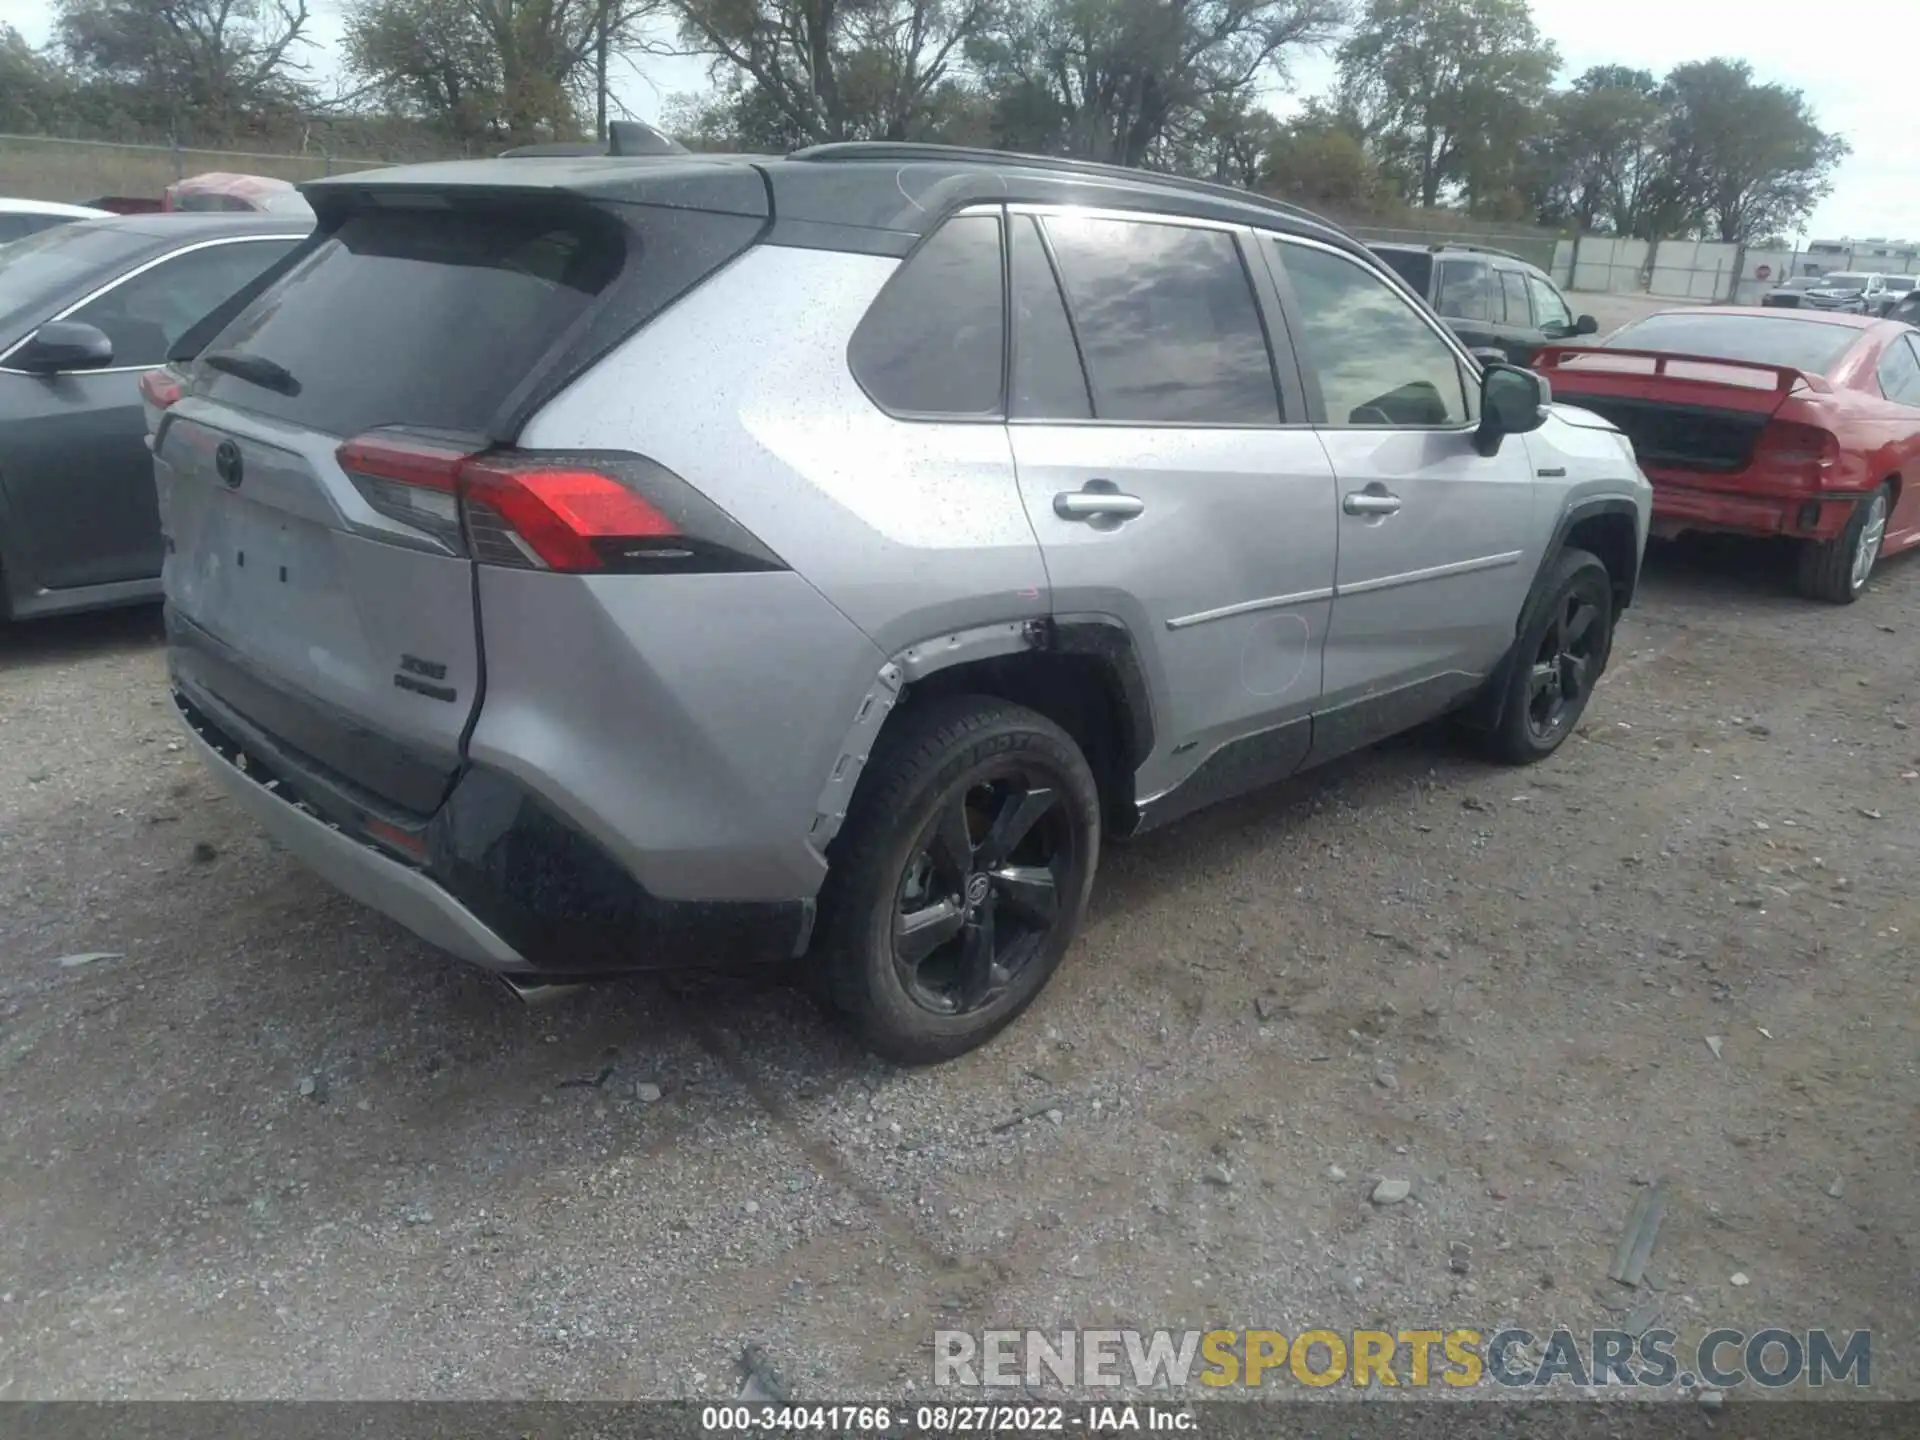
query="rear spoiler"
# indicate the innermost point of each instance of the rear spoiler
(1554, 358)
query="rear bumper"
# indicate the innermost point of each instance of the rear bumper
(494, 877)
(400, 891)
(1679, 506)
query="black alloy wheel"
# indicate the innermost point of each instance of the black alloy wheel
(959, 878)
(980, 896)
(1565, 665)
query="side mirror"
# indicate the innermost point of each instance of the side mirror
(63, 345)
(1512, 402)
(1586, 325)
(1490, 355)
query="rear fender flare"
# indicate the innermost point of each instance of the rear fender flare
(1106, 640)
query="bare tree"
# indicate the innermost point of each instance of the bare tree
(812, 70)
(205, 66)
(1111, 79)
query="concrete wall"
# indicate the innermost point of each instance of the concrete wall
(1704, 270)
(1608, 266)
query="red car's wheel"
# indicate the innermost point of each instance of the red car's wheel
(1836, 570)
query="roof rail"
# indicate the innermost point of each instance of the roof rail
(907, 151)
(1481, 249)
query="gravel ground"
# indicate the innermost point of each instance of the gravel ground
(268, 1145)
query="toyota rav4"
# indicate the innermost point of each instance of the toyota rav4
(600, 564)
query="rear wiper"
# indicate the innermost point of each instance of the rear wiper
(254, 369)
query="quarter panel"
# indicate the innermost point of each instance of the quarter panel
(684, 721)
(913, 529)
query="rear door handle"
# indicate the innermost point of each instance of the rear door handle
(1099, 500)
(1371, 502)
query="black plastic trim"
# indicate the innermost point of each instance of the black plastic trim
(1248, 763)
(571, 909)
(1371, 718)
(1587, 510)
(1112, 644)
(848, 239)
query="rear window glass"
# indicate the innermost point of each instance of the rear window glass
(1811, 345)
(1413, 266)
(421, 318)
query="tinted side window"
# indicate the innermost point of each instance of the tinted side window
(1463, 290)
(934, 341)
(1900, 372)
(1378, 362)
(1048, 383)
(1513, 288)
(145, 315)
(1549, 310)
(1167, 322)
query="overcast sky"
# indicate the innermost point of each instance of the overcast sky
(1875, 193)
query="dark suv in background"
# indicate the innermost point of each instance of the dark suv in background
(1490, 299)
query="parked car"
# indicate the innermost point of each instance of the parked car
(84, 309)
(1749, 421)
(1906, 309)
(1843, 290)
(819, 615)
(219, 190)
(20, 218)
(1786, 295)
(128, 204)
(1492, 300)
(1898, 288)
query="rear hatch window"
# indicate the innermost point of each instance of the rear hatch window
(1413, 266)
(427, 318)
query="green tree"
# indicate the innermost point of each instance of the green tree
(1601, 159)
(1316, 163)
(1742, 160)
(1130, 81)
(34, 90)
(1446, 92)
(202, 69)
(1226, 139)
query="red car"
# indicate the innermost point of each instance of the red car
(1802, 424)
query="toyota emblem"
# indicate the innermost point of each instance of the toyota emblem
(976, 889)
(226, 464)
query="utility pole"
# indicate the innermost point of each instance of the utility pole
(600, 75)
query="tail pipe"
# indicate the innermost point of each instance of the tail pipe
(533, 991)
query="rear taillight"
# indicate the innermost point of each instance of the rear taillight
(1795, 454)
(577, 512)
(159, 389)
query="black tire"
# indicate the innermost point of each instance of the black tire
(1571, 616)
(895, 875)
(1826, 569)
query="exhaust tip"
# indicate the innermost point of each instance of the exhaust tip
(531, 991)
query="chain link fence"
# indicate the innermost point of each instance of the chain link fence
(40, 167)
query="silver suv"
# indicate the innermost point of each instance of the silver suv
(605, 564)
